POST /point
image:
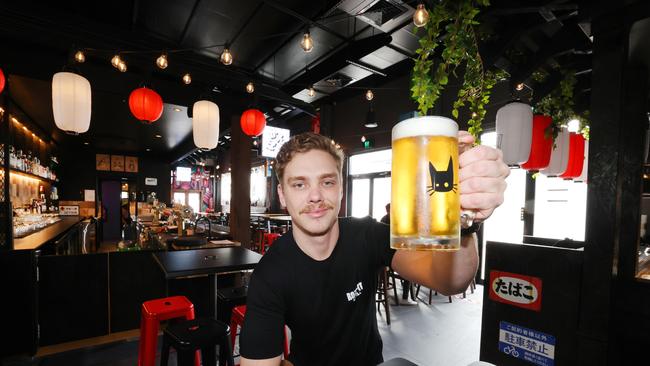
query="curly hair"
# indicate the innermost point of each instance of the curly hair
(303, 143)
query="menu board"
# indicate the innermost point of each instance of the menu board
(272, 139)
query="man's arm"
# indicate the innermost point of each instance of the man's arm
(447, 272)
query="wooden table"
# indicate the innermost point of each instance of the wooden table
(210, 262)
(276, 217)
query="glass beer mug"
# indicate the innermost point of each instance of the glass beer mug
(425, 202)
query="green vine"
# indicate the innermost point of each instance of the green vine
(459, 47)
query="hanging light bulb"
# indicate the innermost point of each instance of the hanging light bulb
(226, 57)
(370, 94)
(79, 56)
(520, 87)
(421, 16)
(161, 61)
(363, 138)
(115, 61)
(307, 43)
(122, 66)
(250, 87)
(311, 92)
(187, 79)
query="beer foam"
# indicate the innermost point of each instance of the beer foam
(425, 126)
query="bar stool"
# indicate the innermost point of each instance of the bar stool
(204, 334)
(267, 240)
(381, 297)
(237, 320)
(153, 312)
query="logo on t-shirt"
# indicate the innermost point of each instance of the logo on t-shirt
(352, 295)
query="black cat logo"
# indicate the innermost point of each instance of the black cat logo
(441, 181)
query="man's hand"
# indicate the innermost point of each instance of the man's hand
(482, 175)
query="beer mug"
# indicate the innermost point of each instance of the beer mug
(425, 202)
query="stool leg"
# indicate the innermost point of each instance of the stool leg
(225, 351)
(286, 343)
(233, 331)
(148, 341)
(209, 356)
(185, 358)
(164, 354)
(384, 279)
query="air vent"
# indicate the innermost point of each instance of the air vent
(338, 80)
(382, 11)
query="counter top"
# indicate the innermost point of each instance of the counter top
(35, 240)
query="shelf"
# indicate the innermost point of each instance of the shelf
(30, 175)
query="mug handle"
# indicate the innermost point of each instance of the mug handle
(467, 218)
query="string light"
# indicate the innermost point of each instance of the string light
(520, 86)
(250, 87)
(122, 66)
(311, 92)
(80, 57)
(363, 138)
(421, 16)
(370, 95)
(115, 61)
(187, 79)
(307, 43)
(161, 61)
(226, 57)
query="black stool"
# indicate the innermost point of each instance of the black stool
(199, 334)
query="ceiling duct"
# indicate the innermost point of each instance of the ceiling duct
(381, 14)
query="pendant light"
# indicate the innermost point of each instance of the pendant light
(162, 62)
(307, 42)
(585, 165)
(80, 57)
(250, 87)
(71, 102)
(146, 105)
(576, 157)
(541, 145)
(370, 95)
(559, 155)
(115, 61)
(253, 122)
(311, 92)
(2, 81)
(421, 16)
(514, 125)
(226, 57)
(187, 79)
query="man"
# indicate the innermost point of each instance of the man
(320, 277)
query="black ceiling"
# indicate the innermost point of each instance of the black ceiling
(358, 43)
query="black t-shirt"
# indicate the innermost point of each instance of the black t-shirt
(329, 305)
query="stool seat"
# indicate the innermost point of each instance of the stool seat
(267, 240)
(202, 334)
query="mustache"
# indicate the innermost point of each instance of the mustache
(316, 207)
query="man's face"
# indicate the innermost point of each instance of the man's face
(311, 191)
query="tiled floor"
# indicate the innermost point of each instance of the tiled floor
(442, 333)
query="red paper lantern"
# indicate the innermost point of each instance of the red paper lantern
(146, 105)
(540, 147)
(576, 156)
(2, 81)
(253, 122)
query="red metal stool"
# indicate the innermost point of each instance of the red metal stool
(153, 312)
(237, 319)
(267, 240)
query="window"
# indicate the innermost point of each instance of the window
(258, 186)
(225, 192)
(369, 179)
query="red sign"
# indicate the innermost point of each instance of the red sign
(515, 289)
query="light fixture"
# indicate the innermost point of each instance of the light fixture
(158, 136)
(311, 91)
(161, 61)
(71, 102)
(474, 114)
(363, 138)
(79, 56)
(421, 16)
(520, 87)
(121, 66)
(86, 143)
(250, 87)
(116, 60)
(176, 109)
(205, 124)
(307, 43)
(148, 149)
(254, 142)
(573, 125)
(187, 79)
(514, 128)
(370, 95)
(226, 57)
(371, 121)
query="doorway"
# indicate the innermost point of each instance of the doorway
(110, 206)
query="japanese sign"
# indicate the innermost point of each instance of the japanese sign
(515, 289)
(526, 344)
(272, 139)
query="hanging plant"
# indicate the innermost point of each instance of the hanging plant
(559, 104)
(459, 45)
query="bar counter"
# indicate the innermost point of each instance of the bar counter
(37, 239)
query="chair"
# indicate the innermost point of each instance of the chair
(472, 287)
(153, 312)
(237, 320)
(381, 297)
(393, 276)
(204, 334)
(267, 240)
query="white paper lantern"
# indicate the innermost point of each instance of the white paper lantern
(585, 165)
(205, 124)
(71, 102)
(559, 155)
(514, 125)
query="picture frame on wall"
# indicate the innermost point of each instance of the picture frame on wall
(117, 163)
(131, 164)
(103, 162)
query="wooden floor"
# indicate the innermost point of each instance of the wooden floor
(442, 333)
